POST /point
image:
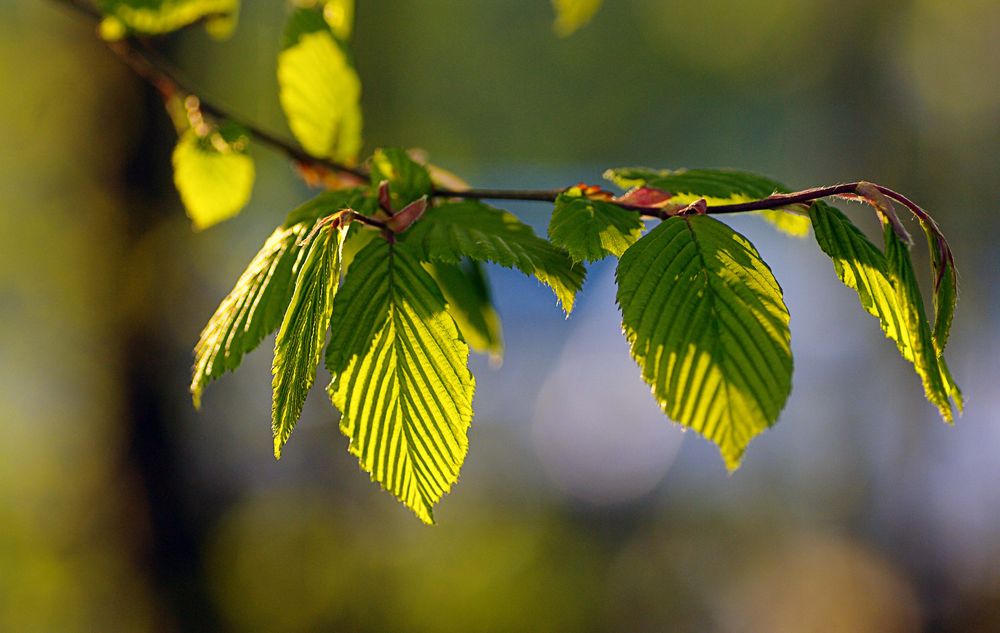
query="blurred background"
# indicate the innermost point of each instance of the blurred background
(581, 508)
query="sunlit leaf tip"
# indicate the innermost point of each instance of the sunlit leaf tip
(573, 14)
(707, 324)
(400, 376)
(299, 342)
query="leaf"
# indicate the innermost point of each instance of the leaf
(716, 186)
(939, 388)
(885, 293)
(400, 378)
(708, 326)
(472, 229)
(252, 310)
(329, 202)
(572, 14)
(945, 285)
(213, 176)
(156, 17)
(861, 266)
(467, 293)
(408, 180)
(339, 15)
(320, 91)
(590, 230)
(299, 343)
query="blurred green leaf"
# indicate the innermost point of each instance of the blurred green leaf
(319, 89)
(155, 17)
(299, 343)
(470, 303)
(716, 186)
(472, 229)
(408, 180)
(339, 14)
(213, 176)
(572, 14)
(590, 230)
(708, 326)
(400, 378)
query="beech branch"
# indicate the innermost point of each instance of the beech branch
(152, 67)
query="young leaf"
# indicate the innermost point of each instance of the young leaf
(945, 285)
(155, 17)
(330, 202)
(408, 180)
(213, 176)
(299, 343)
(320, 91)
(467, 293)
(572, 14)
(939, 388)
(339, 14)
(591, 230)
(472, 229)
(716, 186)
(708, 326)
(252, 310)
(400, 378)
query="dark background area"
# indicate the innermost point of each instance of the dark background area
(580, 508)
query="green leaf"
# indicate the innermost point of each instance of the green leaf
(472, 229)
(590, 230)
(716, 186)
(213, 176)
(320, 91)
(708, 326)
(939, 388)
(467, 293)
(885, 291)
(299, 343)
(156, 17)
(330, 202)
(408, 179)
(945, 285)
(400, 378)
(572, 14)
(252, 310)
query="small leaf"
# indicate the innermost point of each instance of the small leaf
(707, 324)
(467, 293)
(590, 230)
(572, 14)
(472, 229)
(330, 202)
(939, 388)
(400, 378)
(339, 14)
(945, 284)
(716, 186)
(156, 17)
(320, 91)
(299, 343)
(213, 176)
(408, 180)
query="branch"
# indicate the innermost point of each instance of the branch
(149, 65)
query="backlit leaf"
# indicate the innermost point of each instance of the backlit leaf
(716, 186)
(299, 343)
(214, 177)
(572, 14)
(945, 285)
(887, 291)
(400, 378)
(472, 229)
(467, 293)
(708, 326)
(155, 17)
(320, 91)
(591, 230)
(939, 388)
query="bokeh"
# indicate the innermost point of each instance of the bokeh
(580, 508)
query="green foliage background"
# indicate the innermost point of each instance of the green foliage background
(122, 510)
